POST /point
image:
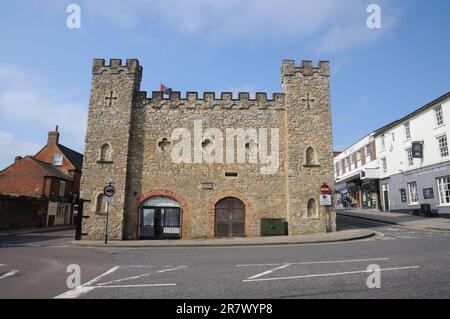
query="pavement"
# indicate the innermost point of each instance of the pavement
(29, 230)
(413, 263)
(399, 219)
(344, 235)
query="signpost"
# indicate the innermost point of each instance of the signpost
(325, 189)
(325, 197)
(109, 191)
(325, 200)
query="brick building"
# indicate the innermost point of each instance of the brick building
(52, 175)
(134, 142)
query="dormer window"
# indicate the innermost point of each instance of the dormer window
(57, 160)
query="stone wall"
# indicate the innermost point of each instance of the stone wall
(308, 125)
(139, 130)
(20, 211)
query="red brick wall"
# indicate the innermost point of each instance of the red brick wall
(22, 178)
(47, 154)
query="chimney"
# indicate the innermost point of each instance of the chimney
(53, 137)
(18, 158)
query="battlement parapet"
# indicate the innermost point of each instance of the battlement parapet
(116, 66)
(210, 101)
(306, 68)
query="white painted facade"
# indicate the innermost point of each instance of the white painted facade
(423, 127)
(404, 183)
(355, 167)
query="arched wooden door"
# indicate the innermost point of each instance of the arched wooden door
(230, 218)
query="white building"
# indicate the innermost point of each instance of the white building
(357, 173)
(407, 182)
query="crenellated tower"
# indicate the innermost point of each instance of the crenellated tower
(308, 145)
(113, 91)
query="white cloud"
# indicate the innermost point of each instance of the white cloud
(326, 26)
(28, 103)
(12, 147)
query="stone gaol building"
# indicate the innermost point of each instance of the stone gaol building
(210, 165)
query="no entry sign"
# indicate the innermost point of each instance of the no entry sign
(325, 189)
(109, 191)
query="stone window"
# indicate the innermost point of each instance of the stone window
(312, 208)
(105, 153)
(311, 157)
(164, 145)
(100, 205)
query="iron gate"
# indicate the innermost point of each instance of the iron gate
(159, 223)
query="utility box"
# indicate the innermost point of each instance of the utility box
(273, 227)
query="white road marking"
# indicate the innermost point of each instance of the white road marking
(75, 293)
(84, 288)
(145, 266)
(3, 265)
(9, 274)
(269, 271)
(170, 269)
(120, 280)
(89, 286)
(136, 277)
(327, 275)
(136, 286)
(316, 262)
(93, 281)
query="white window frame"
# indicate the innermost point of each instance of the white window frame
(367, 150)
(409, 156)
(438, 115)
(383, 142)
(407, 129)
(443, 187)
(58, 160)
(413, 197)
(384, 165)
(443, 147)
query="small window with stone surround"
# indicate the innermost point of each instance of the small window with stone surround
(100, 205)
(105, 155)
(311, 208)
(310, 158)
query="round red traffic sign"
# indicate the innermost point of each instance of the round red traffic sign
(109, 191)
(325, 189)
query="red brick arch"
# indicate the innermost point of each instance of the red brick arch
(248, 211)
(175, 196)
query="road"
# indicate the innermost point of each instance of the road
(414, 264)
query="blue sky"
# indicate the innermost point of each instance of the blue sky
(378, 75)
